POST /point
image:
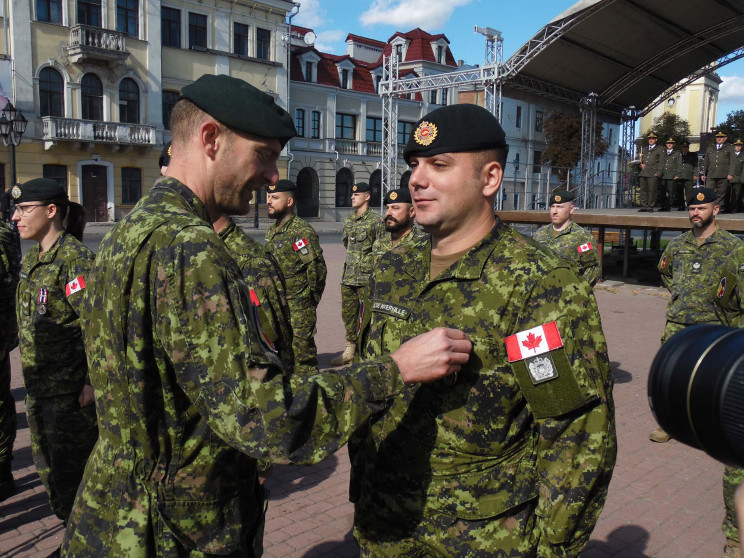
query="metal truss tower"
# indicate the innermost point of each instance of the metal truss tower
(588, 148)
(389, 170)
(627, 153)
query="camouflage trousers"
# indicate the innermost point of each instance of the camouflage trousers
(62, 436)
(441, 535)
(732, 478)
(303, 321)
(7, 413)
(673, 327)
(352, 300)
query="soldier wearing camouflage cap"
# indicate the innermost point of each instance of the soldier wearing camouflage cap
(361, 229)
(567, 239)
(512, 457)
(190, 391)
(296, 247)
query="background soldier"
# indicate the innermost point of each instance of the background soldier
(361, 229)
(670, 173)
(296, 248)
(513, 457)
(164, 159)
(719, 167)
(10, 266)
(690, 264)
(737, 192)
(688, 178)
(652, 159)
(569, 240)
(399, 222)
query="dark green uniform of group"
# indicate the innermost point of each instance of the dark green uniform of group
(737, 182)
(55, 370)
(575, 244)
(360, 233)
(510, 458)
(653, 159)
(670, 171)
(296, 247)
(689, 174)
(189, 397)
(719, 164)
(10, 264)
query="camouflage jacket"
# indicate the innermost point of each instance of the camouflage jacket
(296, 247)
(575, 244)
(186, 391)
(539, 430)
(359, 235)
(268, 291)
(719, 163)
(728, 292)
(10, 266)
(690, 271)
(49, 303)
(385, 243)
(672, 165)
(653, 159)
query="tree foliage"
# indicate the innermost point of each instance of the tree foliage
(563, 135)
(667, 126)
(733, 125)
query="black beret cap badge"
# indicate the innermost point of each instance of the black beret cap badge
(426, 133)
(15, 192)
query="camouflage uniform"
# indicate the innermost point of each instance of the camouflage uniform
(55, 370)
(385, 243)
(575, 244)
(296, 247)
(10, 264)
(718, 165)
(359, 235)
(491, 464)
(189, 394)
(689, 272)
(728, 295)
(649, 177)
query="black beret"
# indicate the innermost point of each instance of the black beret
(361, 187)
(38, 189)
(401, 195)
(560, 196)
(240, 106)
(453, 129)
(700, 196)
(405, 179)
(165, 155)
(283, 186)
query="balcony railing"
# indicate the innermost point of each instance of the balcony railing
(95, 43)
(68, 129)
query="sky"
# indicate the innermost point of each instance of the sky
(518, 21)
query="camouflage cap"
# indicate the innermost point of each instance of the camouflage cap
(38, 189)
(360, 187)
(453, 129)
(240, 106)
(400, 195)
(561, 196)
(282, 186)
(165, 155)
(701, 196)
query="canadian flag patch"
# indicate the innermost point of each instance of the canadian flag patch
(77, 284)
(300, 244)
(584, 247)
(533, 342)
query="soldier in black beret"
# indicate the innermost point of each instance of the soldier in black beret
(164, 160)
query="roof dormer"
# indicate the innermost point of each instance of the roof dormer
(440, 50)
(345, 73)
(399, 46)
(309, 64)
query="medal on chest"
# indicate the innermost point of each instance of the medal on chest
(43, 299)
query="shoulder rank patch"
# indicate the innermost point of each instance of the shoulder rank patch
(533, 342)
(77, 284)
(721, 288)
(584, 247)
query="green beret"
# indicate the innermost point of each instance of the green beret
(282, 186)
(240, 106)
(165, 155)
(360, 187)
(453, 129)
(700, 196)
(401, 195)
(561, 196)
(38, 189)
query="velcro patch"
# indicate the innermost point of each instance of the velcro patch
(533, 342)
(394, 310)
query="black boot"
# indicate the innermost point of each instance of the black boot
(7, 484)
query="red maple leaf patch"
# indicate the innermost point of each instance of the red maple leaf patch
(532, 342)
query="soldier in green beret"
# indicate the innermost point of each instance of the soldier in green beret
(361, 229)
(296, 247)
(567, 239)
(189, 393)
(513, 456)
(49, 302)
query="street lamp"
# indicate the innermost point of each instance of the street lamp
(12, 127)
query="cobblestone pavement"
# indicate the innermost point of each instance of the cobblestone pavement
(665, 499)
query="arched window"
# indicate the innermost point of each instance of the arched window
(344, 182)
(128, 101)
(51, 93)
(91, 91)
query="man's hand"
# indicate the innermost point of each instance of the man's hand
(432, 355)
(87, 396)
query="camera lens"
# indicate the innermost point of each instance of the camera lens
(696, 390)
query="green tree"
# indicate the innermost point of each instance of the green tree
(667, 126)
(563, 135)
(733, 125)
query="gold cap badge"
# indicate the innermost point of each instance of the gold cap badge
(558, 199)
(272, 187)
(354, 188)
(169, 150)
(700, 197)
(425, 134)
(393, 195)
(15, 192)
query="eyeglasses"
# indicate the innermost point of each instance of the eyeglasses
(26, 209)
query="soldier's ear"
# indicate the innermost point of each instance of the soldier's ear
(290, 201)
